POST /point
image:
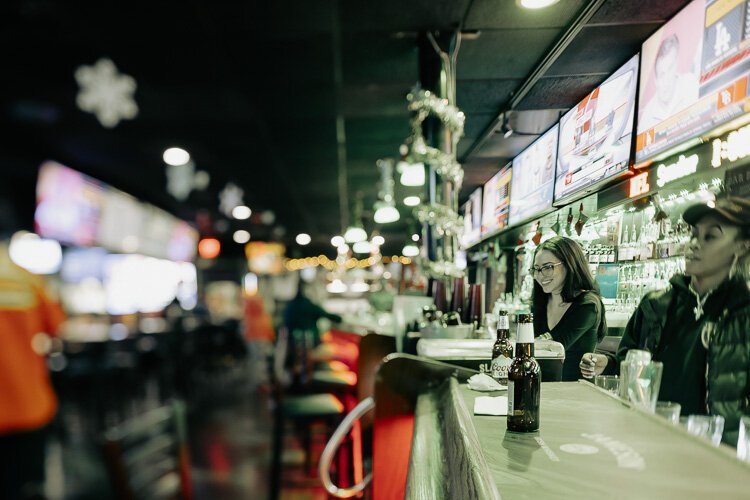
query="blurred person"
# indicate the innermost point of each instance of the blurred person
(673, 90)
(699, 327)
(302, 313)
(28, 317)
(566, 302)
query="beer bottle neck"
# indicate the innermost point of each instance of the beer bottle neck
(525, 350)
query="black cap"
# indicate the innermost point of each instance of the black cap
(733, 209)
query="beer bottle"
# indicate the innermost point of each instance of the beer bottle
(524, 380)
(502, 350)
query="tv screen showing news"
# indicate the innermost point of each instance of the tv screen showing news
(694, 75)
(496, 204)
(596, 135)
(533, 178)
(472, 213)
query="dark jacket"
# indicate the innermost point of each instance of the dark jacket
(725, 328)
(580, 328)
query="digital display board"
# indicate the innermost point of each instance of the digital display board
(596, 135)
(76, 209)
(533, 178)
(496, 203)
(694, 75)
(472, 213)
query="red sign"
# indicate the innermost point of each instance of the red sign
(639, 185)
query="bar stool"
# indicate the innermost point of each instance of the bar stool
(304, 410)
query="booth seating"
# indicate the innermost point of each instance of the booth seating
(147, 455)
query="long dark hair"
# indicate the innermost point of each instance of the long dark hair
(578, 279)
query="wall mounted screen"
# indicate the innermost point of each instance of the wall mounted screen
(596, 135)
(694, 75)
(533, 178)
(496, 203)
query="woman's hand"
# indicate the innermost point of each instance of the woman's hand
(592, 364)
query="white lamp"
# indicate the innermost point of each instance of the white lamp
(385, 212)
(412, 174)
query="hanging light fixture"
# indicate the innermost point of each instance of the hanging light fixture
(410, 250)
(385, 208)
(412, 174)
(355, 232)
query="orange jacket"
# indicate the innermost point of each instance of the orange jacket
(27, 400)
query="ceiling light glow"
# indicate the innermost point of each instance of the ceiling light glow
(303, 239)
(241, 212)
(411, 201)
(536, 4)
(337, 241)
(241, 236)
(176, 157)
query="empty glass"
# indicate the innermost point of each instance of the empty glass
(609, 383)
(669, 410)
(709, 427)
(643, 383)
(743, 443)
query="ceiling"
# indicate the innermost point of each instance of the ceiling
(255, 92)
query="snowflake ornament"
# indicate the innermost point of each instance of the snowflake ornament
(230, 197)
(106, 92)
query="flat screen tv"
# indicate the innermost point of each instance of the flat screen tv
(693, 76)
(596, 136)
(496, 203)
(533, 178)
(472, 213)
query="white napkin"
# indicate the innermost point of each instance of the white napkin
(488, 405)
(483, 382)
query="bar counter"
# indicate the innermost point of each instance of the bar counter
(590, 445)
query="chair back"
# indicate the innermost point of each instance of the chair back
(147, 456)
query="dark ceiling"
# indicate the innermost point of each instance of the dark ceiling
(253, 91)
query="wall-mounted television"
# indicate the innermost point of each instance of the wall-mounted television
(596, 136)
(496, 203)
(533, 178)
(693, 77)
(472, 213)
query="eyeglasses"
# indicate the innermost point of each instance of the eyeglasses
(546, 270)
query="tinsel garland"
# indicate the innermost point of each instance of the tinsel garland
(445, 221)
(422, 103)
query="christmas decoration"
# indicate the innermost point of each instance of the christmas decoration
(106, 92)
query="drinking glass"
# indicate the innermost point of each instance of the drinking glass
(743, 443)
(609, 383)
(669, 410)
(458, 298)
(644, 381)
(439, 295)
(707, 426)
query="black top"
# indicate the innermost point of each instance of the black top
(681, 350)
(578, 330)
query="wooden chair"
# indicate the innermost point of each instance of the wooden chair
(147, 456)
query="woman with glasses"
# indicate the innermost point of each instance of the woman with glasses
(566, 302)
(699, 327)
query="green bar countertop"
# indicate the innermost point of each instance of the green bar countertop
(592, 445)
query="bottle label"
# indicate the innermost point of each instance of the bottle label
(503, 323)
(525, 333)
(500, 367)
(511, 392)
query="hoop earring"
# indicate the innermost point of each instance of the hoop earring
(733, 268)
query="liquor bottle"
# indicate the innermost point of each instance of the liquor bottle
(625, 245)
(524, 380)
(502, 351)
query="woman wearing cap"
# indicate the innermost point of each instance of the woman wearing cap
(699, 327)
(567, 305)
